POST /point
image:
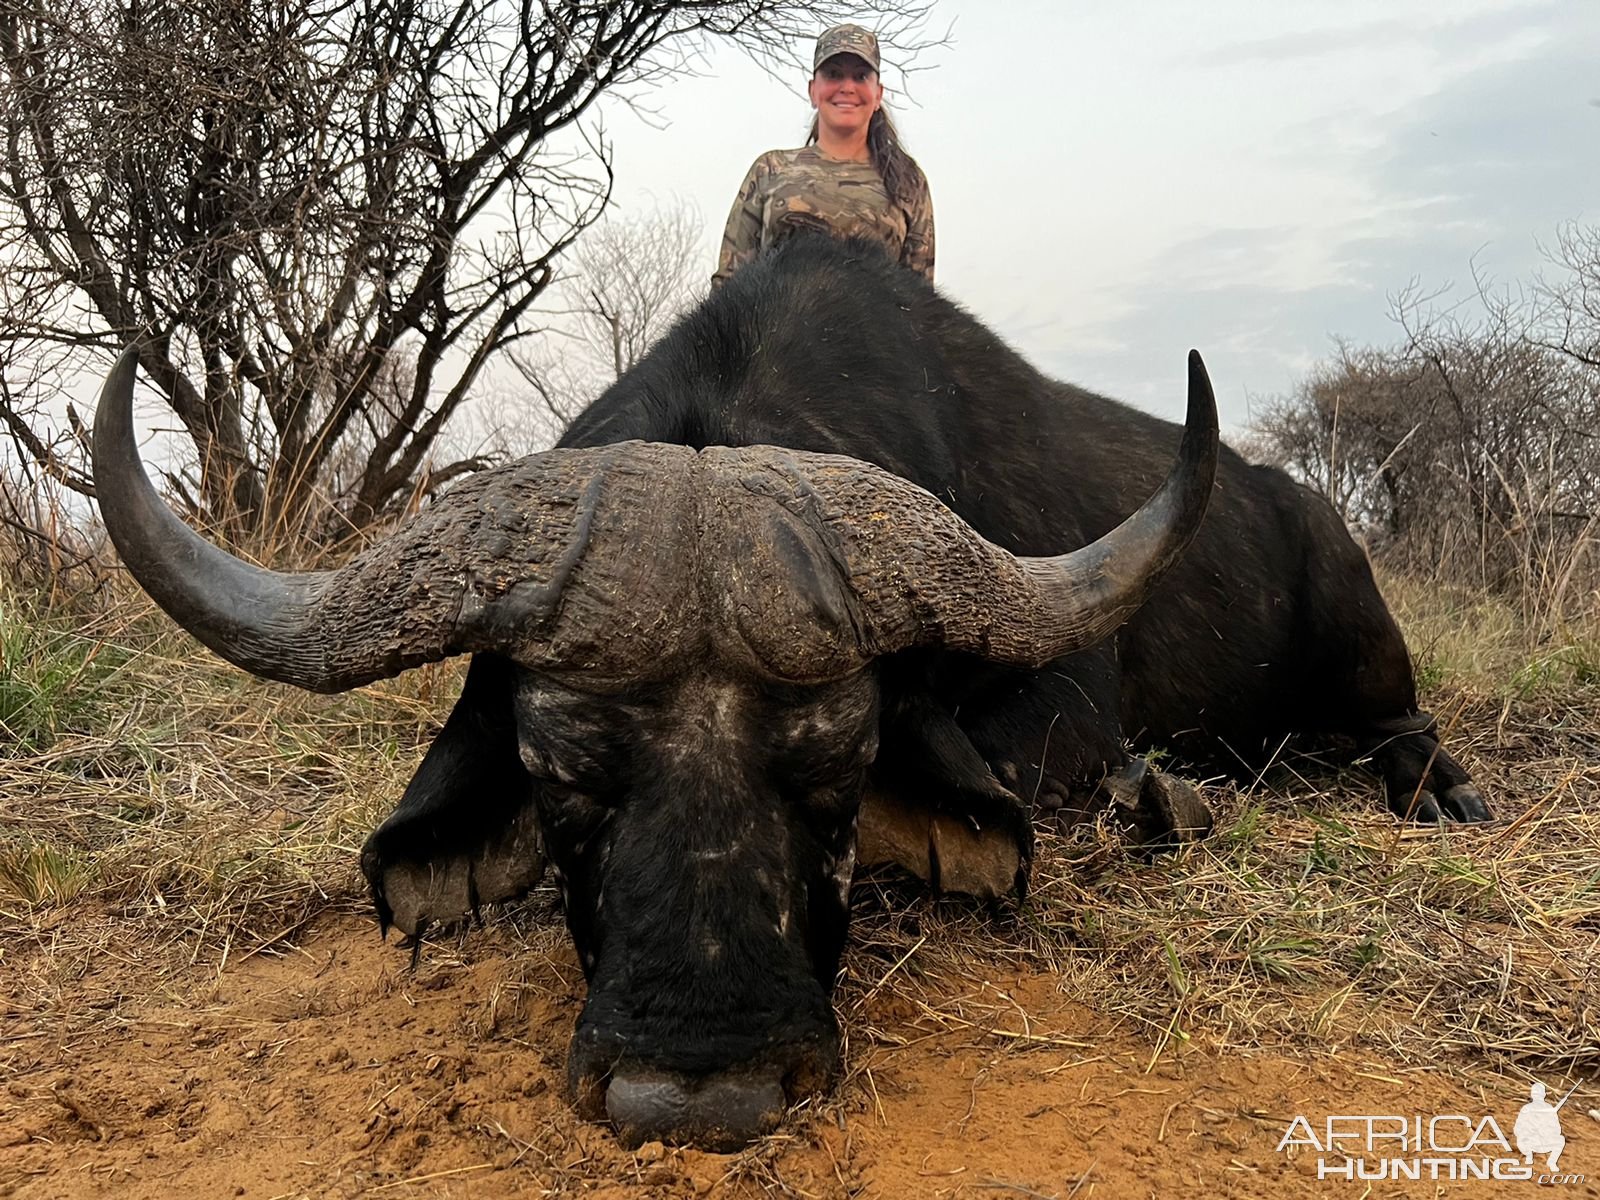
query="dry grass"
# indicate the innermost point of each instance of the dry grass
(1470, 638)
(157, 799)
(1312, 922)
(147, 783)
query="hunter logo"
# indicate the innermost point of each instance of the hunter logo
(1445, 1146)
(1538, 1127)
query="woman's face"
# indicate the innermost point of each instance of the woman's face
(845, 92)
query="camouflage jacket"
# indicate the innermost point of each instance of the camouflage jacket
(787, 191)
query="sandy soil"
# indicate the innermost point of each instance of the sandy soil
(321, 1066)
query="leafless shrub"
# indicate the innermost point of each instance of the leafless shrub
(1569, 298)
(1472, 448)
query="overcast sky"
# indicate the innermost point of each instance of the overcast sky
(1116, 183)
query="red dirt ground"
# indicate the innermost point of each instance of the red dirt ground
(322, 1067)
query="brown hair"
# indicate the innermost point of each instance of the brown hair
(902, 178)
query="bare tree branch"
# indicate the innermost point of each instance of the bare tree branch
(290, 199)
(630, 278)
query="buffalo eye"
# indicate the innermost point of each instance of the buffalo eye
(553, 765)
(824, 772)
(571, 821)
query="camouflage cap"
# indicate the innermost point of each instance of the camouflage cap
(847, 39)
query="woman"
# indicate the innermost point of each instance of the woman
(850, 179)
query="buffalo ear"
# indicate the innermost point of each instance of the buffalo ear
(466, 832)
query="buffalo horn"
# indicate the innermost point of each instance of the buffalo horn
(487, 567)
(925, 577)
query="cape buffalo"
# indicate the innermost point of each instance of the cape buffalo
(704, 627)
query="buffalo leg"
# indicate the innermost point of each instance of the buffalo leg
(1055, 738)
(1368, 690)
(465, 833)
(1047, 732)
(960, 775)
(990, 746)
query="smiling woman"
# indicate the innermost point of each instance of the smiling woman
(852, 178)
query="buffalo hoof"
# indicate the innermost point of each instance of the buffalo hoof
(947, 853)
(722, 1114)
(416, 887)
(1460, 802)
(1157, 811)
(1424, 783)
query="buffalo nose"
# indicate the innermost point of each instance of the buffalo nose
(723, 1113)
